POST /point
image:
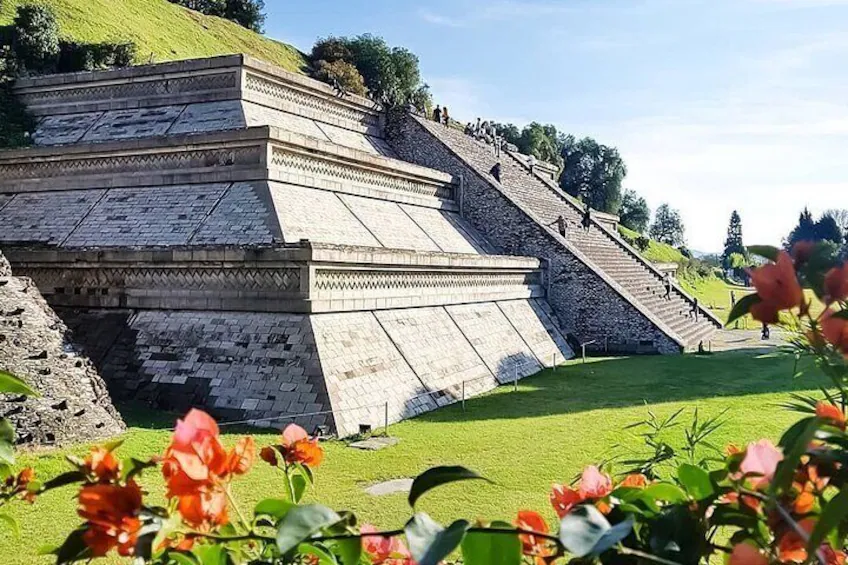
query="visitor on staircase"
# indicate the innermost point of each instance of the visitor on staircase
(437, 114)
(445, 116)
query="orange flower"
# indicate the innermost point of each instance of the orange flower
(831, 556)
(804, 503)
(530, 544)
(240, 460)
(205, 509)
(778, 288)
(564, 499)
(103, 464)
(634, 480)
(836, 284)
(835, 330)
(269, 455)
(733, 498)
(299, 448)
(732, 449)
(746, 554)
(832, 413)
(111, 514)
(791, 547)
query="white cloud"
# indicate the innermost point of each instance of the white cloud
(439, 19)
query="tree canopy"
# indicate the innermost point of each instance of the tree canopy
(634, 211)
(668, 226)
(827, 228)
(733, 244)
(593, 172)
(246, 13)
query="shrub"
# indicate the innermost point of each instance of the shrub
(341, 74)
(642, 243)
(36, 37)
(331, 49)
(74, 57)
(247, 13)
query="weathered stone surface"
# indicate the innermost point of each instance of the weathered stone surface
(390, 487)
(73, 405)
(376, 443)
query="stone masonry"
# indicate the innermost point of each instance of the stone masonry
(73, 404)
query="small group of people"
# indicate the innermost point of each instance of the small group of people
(441, 115)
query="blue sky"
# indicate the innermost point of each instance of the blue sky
(714, 105)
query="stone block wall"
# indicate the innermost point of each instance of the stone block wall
(585, 303)
(74, 404)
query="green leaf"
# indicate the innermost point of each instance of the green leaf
(842, 314)
(792, 456)
(582, 528)
(832, 514)
(302, 522)
(64, 479)
(324, 558)
(429, 542)
(696, 481)
(276, 508)
(7, 453)
(133, 467)
(299, 485)
(11, 523)
(481, 548)
(10, 384)
(765, 251)
(437, 476)
(210, 554)
(347, 550)
(181, 558)
(7, 431)
(666, 492)
(742, 307)
(613, 536)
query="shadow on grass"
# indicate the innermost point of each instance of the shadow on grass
(629, 381)
(140, 415)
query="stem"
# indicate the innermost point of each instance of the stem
(242, 537)
(622, 550)
(245, 524)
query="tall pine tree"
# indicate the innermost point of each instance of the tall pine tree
(804, 231)
(733, 243)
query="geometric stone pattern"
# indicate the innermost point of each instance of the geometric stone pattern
(317, 215)
(387, 282)
(129, 124)
(62, 129)
(536, 329)
(45, 217)
(241, 217)
(73, 405)
(147, 216)
(420, 334)
(388, 223)
(495, 339)
(364, 372)
(238, 364)
(257, 115)
(446, 229)
(356, 140)
(208, 116)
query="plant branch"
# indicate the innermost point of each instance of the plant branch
(622, 550)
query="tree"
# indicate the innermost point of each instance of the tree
(668, 226)
(733, 244)
(804, 231)
(246, 13)
(841, 217)
(541, 141)
(592, 172)
(331, 49)
(828, 230)
(342, 74)
(35, 37)
(634, 211)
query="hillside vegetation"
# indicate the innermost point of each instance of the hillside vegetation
(656, 252)
(162, 31)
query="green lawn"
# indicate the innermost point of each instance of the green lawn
(161, 30)
(656, 252)
(557, 422)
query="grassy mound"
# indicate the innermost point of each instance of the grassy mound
(161, 30)
(656, 252)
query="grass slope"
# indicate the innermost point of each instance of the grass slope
(556, 423)
(161, 30)
(656, 252)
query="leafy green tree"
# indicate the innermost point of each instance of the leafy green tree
(634, 211)
(828, 230)
(733, 244)
(593, 172)
(342, 74)
(510, 133)
(247, 13)
(543, 142)
(331, 49)
(668, 226)
(804, 231)
(35, 39)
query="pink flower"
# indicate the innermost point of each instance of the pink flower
(761, 459)
(383, 550)
(594, 484)
(746, 554)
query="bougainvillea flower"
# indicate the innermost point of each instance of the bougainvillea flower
(19, 483)
(746, 554)
(241, 458)
(835, 331)
(802, 251)
(831, 556)
(634, 480)
(299, 448)
(836, 284)
(564, 499)
(111, 515)
(761, 459)
(102, 464)
(384, 550)
(791, 547)
(205, 509)
(832, 413)
(778, 288)
(733, 497)
(804, 503)
(732, 449)
(594, 484)
(530, 544)
(269, 455)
